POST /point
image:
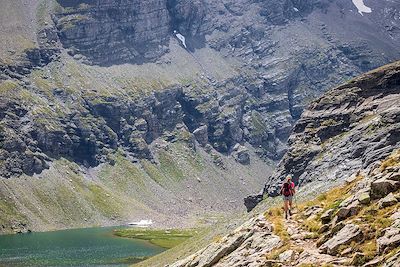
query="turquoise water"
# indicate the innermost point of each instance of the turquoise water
(80, 247)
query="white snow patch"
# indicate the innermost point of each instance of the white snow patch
(181, 38)
(296, 9)
(142, 223)
(362, 8)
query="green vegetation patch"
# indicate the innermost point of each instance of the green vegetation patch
(169, 167)
(124, 174)
(7, 87)
(162, 238)
(258, 123)
(8, 211)
(153, 172)
(102, 200)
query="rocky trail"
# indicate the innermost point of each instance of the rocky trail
(311, 253)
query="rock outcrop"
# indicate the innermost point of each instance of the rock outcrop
(108, 31)
(253, 238)
(349, 128)
(346, 235)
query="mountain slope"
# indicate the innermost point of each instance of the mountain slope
(338, 140)
(347, 129)
(356, 224)
(110, 87)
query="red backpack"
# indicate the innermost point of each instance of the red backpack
(287, 190)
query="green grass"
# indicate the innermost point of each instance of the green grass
(153, 172)
(8, 211)
(163, 238)
(258, 123)
(7, 86)
(189, 155)
(169, 167)
(124, 173)
(102, 200)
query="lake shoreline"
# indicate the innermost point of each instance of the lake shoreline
(86, 246)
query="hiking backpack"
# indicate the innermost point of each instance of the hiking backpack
(286, 190)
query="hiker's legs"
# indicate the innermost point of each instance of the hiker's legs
(285, 206)
(290, 203)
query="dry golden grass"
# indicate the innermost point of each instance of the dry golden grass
(275, 216)
(312, 225)
(330, 199)
(274, 254)
(393, 160)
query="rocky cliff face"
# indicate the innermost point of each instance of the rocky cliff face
(349, 128)
(282, 70)
(114, 31)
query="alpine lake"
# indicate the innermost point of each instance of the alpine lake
(86, 247)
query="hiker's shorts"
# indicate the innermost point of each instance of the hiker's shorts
(288, 198)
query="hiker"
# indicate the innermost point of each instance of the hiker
(287, 191)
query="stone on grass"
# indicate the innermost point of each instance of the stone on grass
(326, 216)
(323, 228)
(347, 211)
(364, 198)
(346, 251)
(391, 239)
(287, 256)
(382, 187)
(313, 210)
(387, 201)
(351, 178)
(345, 236)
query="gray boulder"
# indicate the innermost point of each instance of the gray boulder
(345, 236)
(287, 256)
(387, 201)
(241, 154)
(350, 210)
(382, 187)
(201, 135)
(391, 239)
(364, 198)
(326, 216)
